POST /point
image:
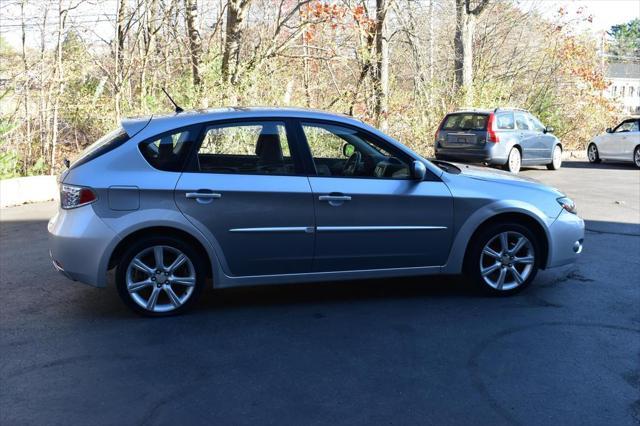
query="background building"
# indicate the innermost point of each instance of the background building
(625, 85)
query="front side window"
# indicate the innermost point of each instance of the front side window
(246, 148)
(536, 124)
(521, 122)
(168, 151)
(627, 126)
(339, 151)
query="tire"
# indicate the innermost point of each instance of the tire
(514, 161)
(592, 153)
(479, 260)
(636, 156)
(173, 292)
(556, 158)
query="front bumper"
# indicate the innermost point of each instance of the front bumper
(566, 238)
(78, 243)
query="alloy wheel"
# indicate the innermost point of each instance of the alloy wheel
(160, 278)
(636, 157)
(507, 260)
(592, 153)
(557, 157)
(514, 160)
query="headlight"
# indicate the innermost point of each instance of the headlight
(568, 204)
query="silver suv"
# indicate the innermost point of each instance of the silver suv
(503, 137)
(250, 196)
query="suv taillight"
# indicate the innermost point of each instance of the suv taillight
(75, 196)
(491, 131)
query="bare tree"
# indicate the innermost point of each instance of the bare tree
(466, 15)
(195, 45)
(381, 75)
(236, 14)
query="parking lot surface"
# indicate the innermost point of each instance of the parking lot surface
(397, 352)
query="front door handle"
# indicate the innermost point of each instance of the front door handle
(334, 198)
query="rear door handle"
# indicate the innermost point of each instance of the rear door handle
(203, 197)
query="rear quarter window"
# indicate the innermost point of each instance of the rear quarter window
(505, 121)
(466, 121)
(169, 151)
(108, 142)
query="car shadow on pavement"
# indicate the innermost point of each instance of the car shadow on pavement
(606, 165)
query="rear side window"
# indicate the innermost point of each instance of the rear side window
(505, 121)
(466, 121)
(260, 147)
(168, 151)
(100, 147)
(521, 122)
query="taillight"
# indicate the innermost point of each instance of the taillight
(491, 131)
(437, 135)
(75, 196)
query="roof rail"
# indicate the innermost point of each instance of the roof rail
(510, 108)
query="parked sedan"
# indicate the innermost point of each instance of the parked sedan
(253, 196)
(503, 137)
(621, 143)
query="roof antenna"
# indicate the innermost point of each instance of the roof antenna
(178, 109)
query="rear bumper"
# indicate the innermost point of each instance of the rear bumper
(78, 241)
(488, 153)
(566, 239)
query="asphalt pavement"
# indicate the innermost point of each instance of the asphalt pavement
(383, 352)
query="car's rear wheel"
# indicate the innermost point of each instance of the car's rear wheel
(160, 276)
(503, 259)
(592, 153)
(514, 161)
(636, 156)
(556, 159)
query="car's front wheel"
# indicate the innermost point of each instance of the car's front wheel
(514, 161)
(556, 158)
(636, 156)
(592, 153)
(503, 259)
(160, 276)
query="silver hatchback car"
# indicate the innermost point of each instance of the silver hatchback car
(248, 196)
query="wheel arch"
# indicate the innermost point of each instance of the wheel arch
(119, 249)
(498, 211)
(514, 217)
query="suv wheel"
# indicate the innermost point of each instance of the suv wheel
(556, 159)
(160, 276)
(514, 161)
(503, 259)
(592, 153)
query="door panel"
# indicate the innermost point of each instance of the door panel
(262, 224)
(379, 223)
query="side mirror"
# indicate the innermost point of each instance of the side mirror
(418, 170)
(548, 130)
(609, 130)
(348, 150)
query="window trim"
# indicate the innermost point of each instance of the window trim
(397, 152)
(296, 156)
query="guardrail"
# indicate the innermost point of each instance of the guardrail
(30, 189)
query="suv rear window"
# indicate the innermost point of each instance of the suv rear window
(103, 145)
(466, 121)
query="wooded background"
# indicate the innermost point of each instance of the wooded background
(397, 64)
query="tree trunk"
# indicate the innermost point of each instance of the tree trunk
(381, 77)
(463, 45)
(236, 14)
(195, 46)
(59, 73)
(119, 55)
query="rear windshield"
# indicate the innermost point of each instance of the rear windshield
(103, 145)
(466, 121)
